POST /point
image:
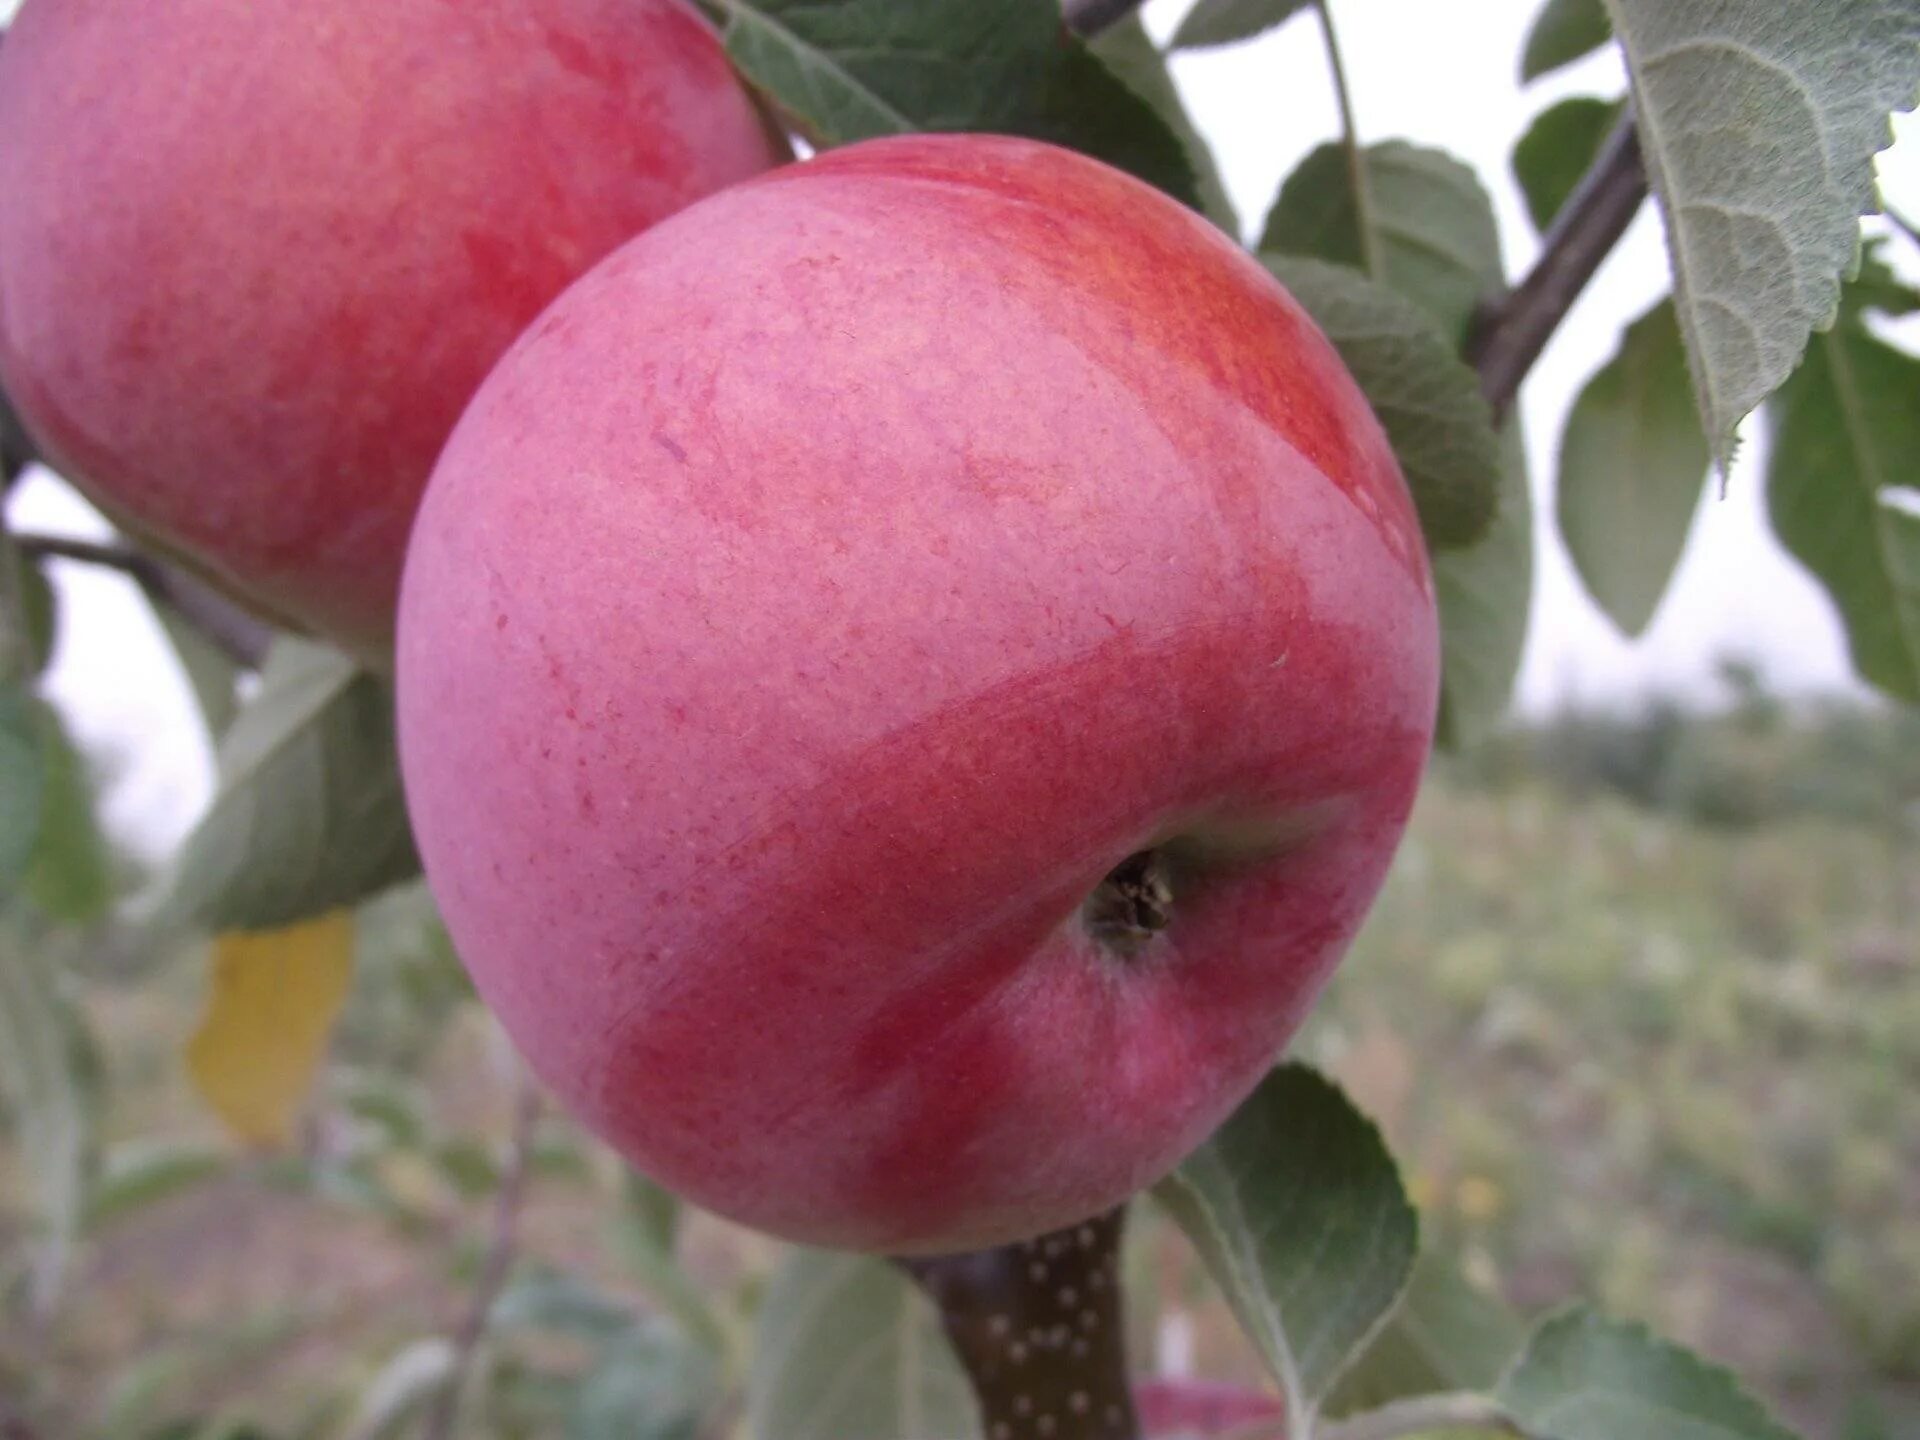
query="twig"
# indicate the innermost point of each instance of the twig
(1090, 17)
(499, 1262)
(1512, 331)
(1421, 1414)
(1350, 141)
(243, 639)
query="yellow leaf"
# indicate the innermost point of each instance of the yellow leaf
(273, 1001)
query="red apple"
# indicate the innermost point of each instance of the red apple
(1173, 1409)
(911, 673)
(255, 257)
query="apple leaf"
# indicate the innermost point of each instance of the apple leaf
(1445, 1335)
(1633, 465)
(1759, 123)
(1557, 151)
(308, 815)
(1585, 1377)
(1227, 22)
(1843, 497)
(1431, 221)
(23, 782)
(1427, 399)
(1485, 591)
(1296, 1208)
(846, 70)
(848, 1349)
(1563, 32)
(648, 1383)
(1128, 51)
(69, 877)
(210, 672)
(139, 1173)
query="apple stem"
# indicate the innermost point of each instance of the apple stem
(1038, 1327)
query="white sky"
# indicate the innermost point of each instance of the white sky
(1444, 74)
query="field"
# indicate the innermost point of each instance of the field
(1628, 1041)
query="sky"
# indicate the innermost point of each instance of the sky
(1445, 74)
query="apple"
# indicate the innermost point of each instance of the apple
(255, 258)
(910, 674)
(1189, 1408)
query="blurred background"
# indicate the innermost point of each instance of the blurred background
(1640, 1009)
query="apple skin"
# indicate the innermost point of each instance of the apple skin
(818, 602)
(256, 257)
(1187, 1408)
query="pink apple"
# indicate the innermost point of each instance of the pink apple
(911, 673)
(1173, 1409)
(255, 257)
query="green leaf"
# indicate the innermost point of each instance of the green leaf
(1633, 464)
(23, 783)
(1431, 223)
(1427, 399)
(401, 1390)
(1563, 32)
(1128, 51)
(140, 1173)
(1584, 1377)
(308, 815)
(1446, 1335)
(847, 70)
(553, 1300)
(649, 1383)
(848, 1349)
(653, 1210)
(1227, 22)
(1558, 149)
(1485, 591)
(1841, 492)
(1296, 1208)
(211, 673)
(70, 877)
(1759, 124)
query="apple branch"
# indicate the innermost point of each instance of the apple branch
(1511, 331)
(1090, 17)
(1039, 1330)
(1357, 176)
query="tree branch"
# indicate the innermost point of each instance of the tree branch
(1088, 18)
(441, 1421)
(1512, 331)
(1423, 1413)
(243, 639)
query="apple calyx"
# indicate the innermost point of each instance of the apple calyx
(1132, 905)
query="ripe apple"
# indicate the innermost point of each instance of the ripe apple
(256, 257)
(1176, 1408)
(910, 674)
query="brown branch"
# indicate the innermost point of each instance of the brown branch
(1039, 1330)
(241, 637)
(1088, 18)
(501, 1251)
(1512, 331)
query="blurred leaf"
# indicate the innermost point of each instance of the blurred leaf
(1296, 1208)
(28, 632)
(1226, 22)
(1427, 399)
(848, 1349)
(1633, 464)
(269, 1012)
(1444, 1335)
(23, 782)
(1431, 221)
(653, 1209)
(402, 1389)
(1485, 592)
(554, 1300)
(139, 1173)
(70, 877)
(211, 673)
(308, 815)
(1759, 124)
(1128, 51)
(856, 69)
(649, 1383)
(1584, 1377)
(392, 1104)
(467, 1165)
(1558, 150)
(1842, 494)
(1563, 32)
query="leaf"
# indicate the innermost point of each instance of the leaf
(1227, 22)
(1633, 464)
(846, 70)
(652, 1209)
(211, 673)
(556, 1301)
(847, 1349)
(23, 783)
(140, 1173)
(308, 815)
(1427, 399)
(1485, 591)
(1584, 1377)
(1846, 428)
(1431, 222)
(1759, 124)
(1296, 1208)
(1128, 51)
(271, 1007)
(70, 875)
(402, 1389)
(1563, 32)
(1446, 1335)
(649, 1383)
(1558, 150)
